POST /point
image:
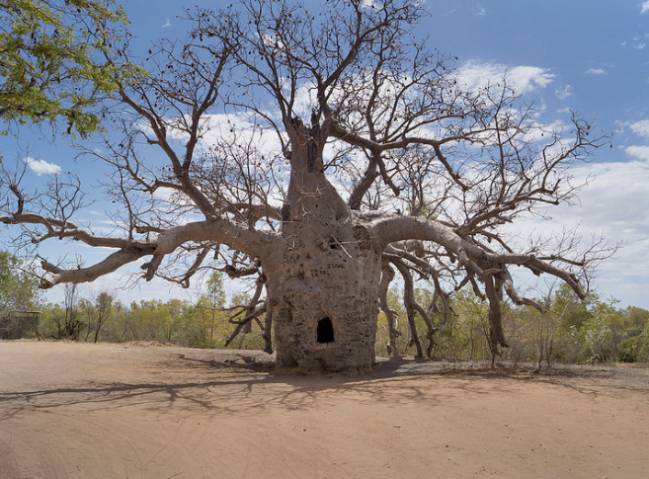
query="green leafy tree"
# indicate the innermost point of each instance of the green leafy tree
(50, 320)
(98, 314)
(17, 288)
(50, 66)
(215, 290)
(215, 300)
(17, 293)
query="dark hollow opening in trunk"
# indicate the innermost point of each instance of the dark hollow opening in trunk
(325, 331)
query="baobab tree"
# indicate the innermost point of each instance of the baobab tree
(326, 153)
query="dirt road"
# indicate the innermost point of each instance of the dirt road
(127, 411)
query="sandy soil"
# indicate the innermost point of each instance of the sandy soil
(131, 411)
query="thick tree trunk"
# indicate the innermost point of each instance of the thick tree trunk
(323, 286)
(325, 307)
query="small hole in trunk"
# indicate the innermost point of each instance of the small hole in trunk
(325, 331)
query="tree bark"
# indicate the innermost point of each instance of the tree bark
(329, 268)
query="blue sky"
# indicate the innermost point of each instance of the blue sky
(591, 56)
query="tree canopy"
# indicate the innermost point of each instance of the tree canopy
(324, 152)
(18, 289)
(49, 63)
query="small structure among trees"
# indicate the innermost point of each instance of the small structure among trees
(325, 152)
(17, 298)
(19, 324)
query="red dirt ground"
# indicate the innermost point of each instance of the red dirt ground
(132, 411)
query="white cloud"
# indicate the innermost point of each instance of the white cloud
(638, 152)
(564, 92)
(539, 131)
(166, 24)
(609, 190)
(523, 78)
(369, 3)
(641, 46)
(170, 195)
(613, 203)
(42, 167)
(240, 128)
(640, 128)
(480, 11)
(596, 71)
(644, 8)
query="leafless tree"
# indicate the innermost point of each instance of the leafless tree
(325, 153)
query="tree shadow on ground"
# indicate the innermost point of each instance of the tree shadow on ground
(244, 384)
